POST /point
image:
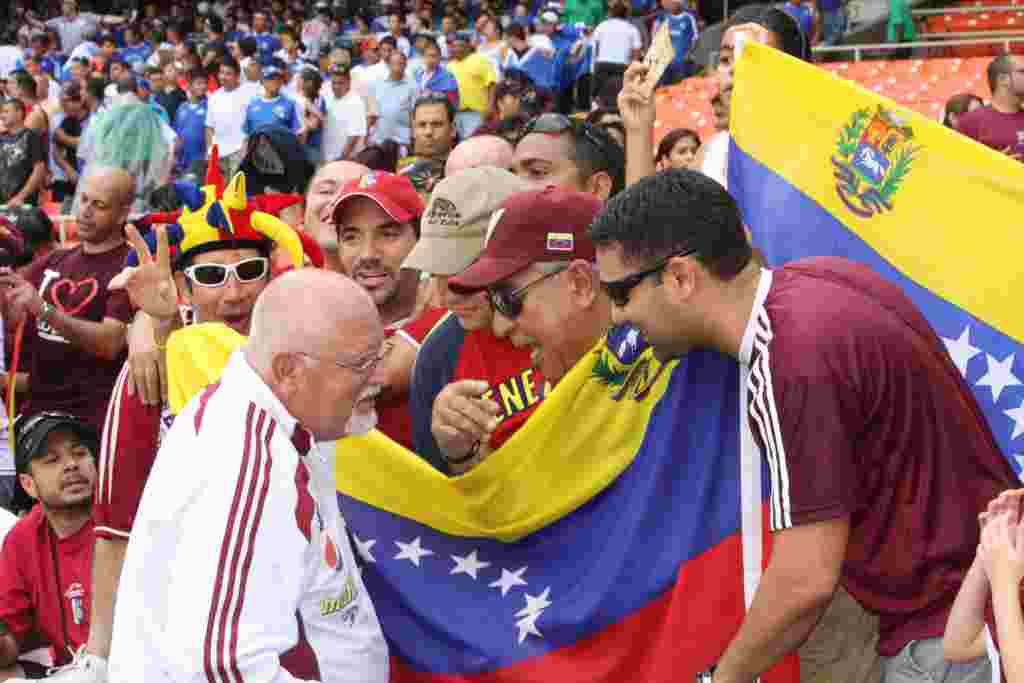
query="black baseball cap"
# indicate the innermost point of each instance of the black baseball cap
(30, 434)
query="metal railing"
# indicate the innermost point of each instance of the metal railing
(967, 10)
(858, 49)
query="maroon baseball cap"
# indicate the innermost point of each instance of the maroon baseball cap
(393, 193)
(537, 226)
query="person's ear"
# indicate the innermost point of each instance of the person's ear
(600, 185)
(680, 278)
(184, 286)
(582, 281)
(29, 484)
(287, 369)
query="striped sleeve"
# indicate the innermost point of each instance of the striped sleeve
(801, 418)
(128, 449)
(223, 654)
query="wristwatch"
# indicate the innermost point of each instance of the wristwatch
(45, 311)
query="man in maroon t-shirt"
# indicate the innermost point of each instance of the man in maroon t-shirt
(45, 562)
(76, 333)
(1000, 125)
(879, 457)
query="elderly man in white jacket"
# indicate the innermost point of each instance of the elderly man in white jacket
(239, 567)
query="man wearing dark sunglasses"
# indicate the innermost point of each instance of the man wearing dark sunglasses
(559, 150)
(538, 270)
(844, 378)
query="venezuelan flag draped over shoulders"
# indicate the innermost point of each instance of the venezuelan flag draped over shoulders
(603, 542)
(820, 166)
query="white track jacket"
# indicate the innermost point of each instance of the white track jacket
(239, 567)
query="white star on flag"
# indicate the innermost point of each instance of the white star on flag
(1019, 459)
(960, 350)
(365, 548)
(413, 551)
(528, 627)
(509, 580)
(1017, 415)
(999, 376)
(535, 604)
(469, 564)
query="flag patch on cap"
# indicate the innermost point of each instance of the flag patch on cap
(560, 241)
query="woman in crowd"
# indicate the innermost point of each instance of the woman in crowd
(957, 106)
(678, 149)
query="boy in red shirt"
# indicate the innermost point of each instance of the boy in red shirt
(46, 559)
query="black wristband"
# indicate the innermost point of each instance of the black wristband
(472, 453)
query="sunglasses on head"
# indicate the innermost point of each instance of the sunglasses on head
(556, 124)
(510, 302)
(618, 290)
(216, 274)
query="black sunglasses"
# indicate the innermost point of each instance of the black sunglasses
(618, 290)
(556, 124)
(510, 303)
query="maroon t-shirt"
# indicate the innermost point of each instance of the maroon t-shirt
(62, 376)
(860, 412)
(994, 128)
(38, 597)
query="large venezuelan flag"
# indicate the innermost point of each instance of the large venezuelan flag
(821, 166)
(605, 541)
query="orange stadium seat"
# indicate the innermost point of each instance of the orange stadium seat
(923, 85)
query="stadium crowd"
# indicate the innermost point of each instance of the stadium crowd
(419, 217)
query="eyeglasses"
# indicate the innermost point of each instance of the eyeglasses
(363, 367)
(556, 124)
(618, 290)
(510, 303)
(216, 274)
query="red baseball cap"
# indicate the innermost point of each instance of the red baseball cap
(537, 226)
(393, 193)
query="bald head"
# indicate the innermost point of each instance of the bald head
(480, 150)
(309, 310)
(314, 340)
(117, 182)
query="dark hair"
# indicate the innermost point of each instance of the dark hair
(95, 87)
(248, 46)
(959, 104)
(671, 138)
(313, 75)
(516, 31)
(791, 38)
(619, 10)
(215, 24)
(23, 80)
(380, 157)
(434, 98)
(673, 211)
(36, 228)
(389, 39)
(431, 42)
(197, 75)
(600, 153)
(230, 63)
(511, 127)
(127, 84)
(1000, 66)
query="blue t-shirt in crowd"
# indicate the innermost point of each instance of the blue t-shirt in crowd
(683, 29)
(803, 14)
(266, 44)
(136, 54)
(190, 125)
(280, 112)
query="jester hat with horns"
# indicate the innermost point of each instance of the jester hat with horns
(219, 216)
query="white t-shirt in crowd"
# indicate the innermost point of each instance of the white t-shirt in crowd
(542, 41)
(7, 522)
(11, 58)
(225, 113)
(346, 117)
(614, 41)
